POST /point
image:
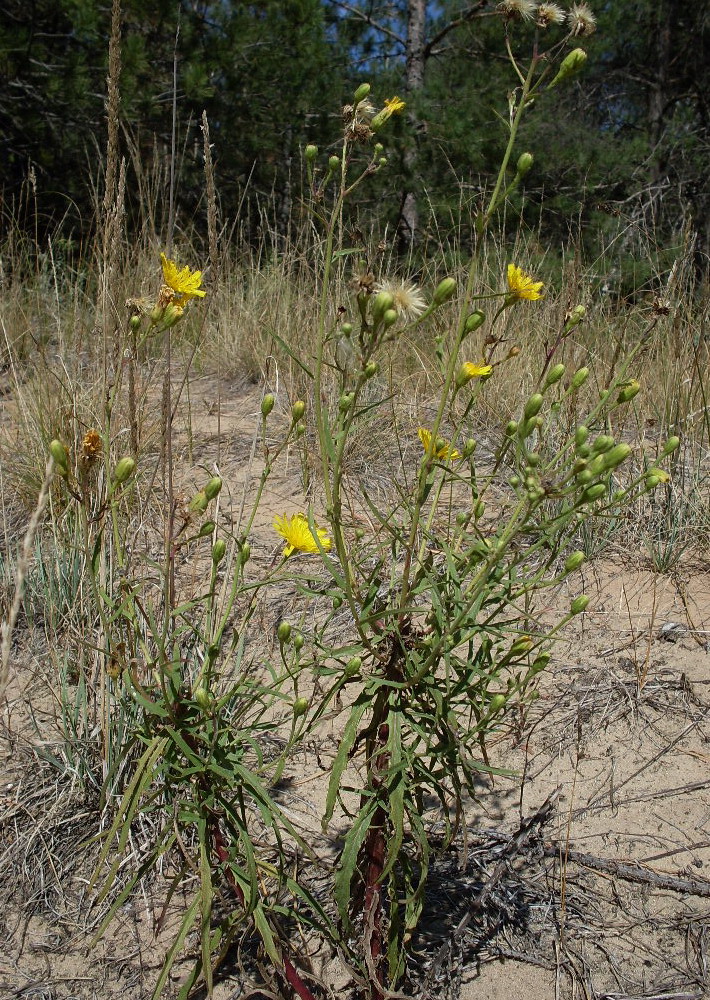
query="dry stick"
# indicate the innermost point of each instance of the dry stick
(20, 574)
(634, 872)
(512, 848)
(214, 260)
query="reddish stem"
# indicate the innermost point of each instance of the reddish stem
(374, 850)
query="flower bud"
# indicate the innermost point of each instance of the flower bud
(615, 456)
(574, 561)
(345, 402)
(284, 632)
(124, 470)
(390, 317)
(219, 550)
(496, 703)
(198, 504)
(300, 430)
(525, 162)
(381, 303)
(206, 529)
(603, 443)
(297, 410)
(593, 493)
(298, 642)
(658, 476)
(579, 604)
(479, 509)
(628, 391)
(444, 291)
(361, 93)
(300, 707)
(511, 428)
(574, 318)
(539, 663)
(311, 153)
(370, 369)
(352, 667)
(469, 447)
(579, 378)
(473, 321)
(213, 487)
(334, 163)
(554, 375)
(59, 454)
(572, 64)
(135, 323)
(172, 314)
(533, 406)
(581, 435)
(670, 446)
(267, 405)
(203, 698)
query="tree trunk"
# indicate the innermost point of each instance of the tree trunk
(414, 81)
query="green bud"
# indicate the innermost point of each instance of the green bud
(511, 428)
(298, 642)
(469, 448)
(584, 451)
(574, 318)
(267, 404)
(334, 163)
(533, 405)
(515, 482)
(352, 667)
(603, 443)
(593, 492)
(361, 93)
(658, 476)
(618, 454)
(59, 454)
(345, 402)
(496, 703)
(574, 561)
(462, 519)
(300, 707)
(135, 323)
(382, 161)
(579, 378)
(213, 487)
(124, 470)
(206, 529)
(533, 460)
(382, 302)
(628, 391)
(337, 602)
(579, 604)
(670, 446)
(572, 64)
(585, 476)
(198, 504)
(390, 317)
(283, 632)
(554, 375)
(444, 291)
(346, 329)
(473, 321)
(172, 314)
(370, 369)
(311, 152)
(219, 550)
(525, 162)
(479, 509)
(539, 663)
(300, 430)
(203, 698)
(297, 410)
(244, 553)
(359, 534)
(581, 435)
(378, 149)
(652, 482)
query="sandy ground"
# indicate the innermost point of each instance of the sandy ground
(609, 898)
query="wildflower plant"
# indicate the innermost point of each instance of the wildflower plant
(445, 649)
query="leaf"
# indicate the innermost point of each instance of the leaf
(341, 758)
(187, 922)
(348, 859)
(284, 347)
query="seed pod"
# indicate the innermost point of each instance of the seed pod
(628, 391)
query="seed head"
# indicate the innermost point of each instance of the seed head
(581, 20)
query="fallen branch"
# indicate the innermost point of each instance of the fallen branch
(632, 871)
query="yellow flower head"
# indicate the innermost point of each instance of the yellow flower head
(184, 282)
(469, 370)
(522, 286)
(445, 451)
(298, 535)
(393, 105)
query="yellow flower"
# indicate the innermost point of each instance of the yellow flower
(469, 370)
(393, 105)
(298, 535)
(184, 282)
(445, 451)
(521, 285)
